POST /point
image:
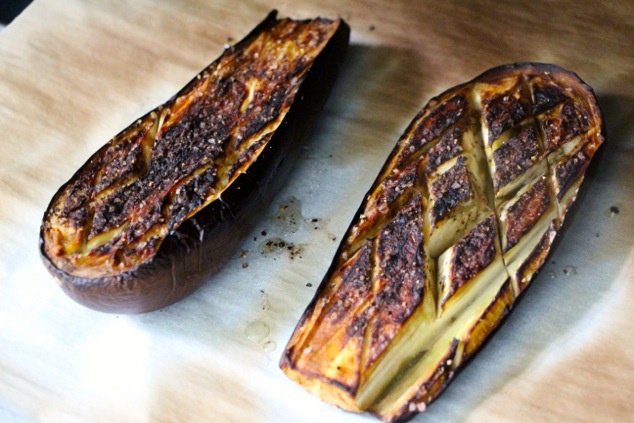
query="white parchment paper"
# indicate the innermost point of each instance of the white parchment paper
(74, 73)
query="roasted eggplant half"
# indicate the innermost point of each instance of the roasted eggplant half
(459, 220)
(159, 209)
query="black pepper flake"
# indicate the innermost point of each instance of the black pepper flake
(450, 189)
(503, 111)
(473, 253)
(515, 156)
(263, 233)
(449, 146)
(309, 284)
(615, 210)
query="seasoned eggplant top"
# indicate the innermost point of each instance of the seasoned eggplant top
(456, 224)
(114, 213)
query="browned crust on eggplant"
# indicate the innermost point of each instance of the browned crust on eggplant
(449, 190)
(471, 255)
(515, 156)
(383, 301)
(515, 98)
(434, 122)
(569, 170)
(400, 282)
(447, 148)
(537, 257)
(561, 124)
(526, 211)
(199, 238)
(503, 111)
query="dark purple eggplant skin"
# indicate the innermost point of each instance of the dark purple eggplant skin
(197, 250)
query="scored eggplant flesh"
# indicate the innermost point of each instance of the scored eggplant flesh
(115, 235)
(459, 220)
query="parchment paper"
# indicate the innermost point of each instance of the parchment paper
(74, 73)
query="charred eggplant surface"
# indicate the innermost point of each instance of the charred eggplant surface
(160, 208)
(456, 225)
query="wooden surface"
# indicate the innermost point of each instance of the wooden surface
(74, 73)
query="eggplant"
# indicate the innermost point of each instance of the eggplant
(455, 227)
(163, 205)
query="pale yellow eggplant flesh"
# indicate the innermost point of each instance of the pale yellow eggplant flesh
(456, 225)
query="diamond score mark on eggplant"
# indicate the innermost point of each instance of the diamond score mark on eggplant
(121, 234)
(460, 218)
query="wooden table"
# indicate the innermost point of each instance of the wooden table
(73, 73)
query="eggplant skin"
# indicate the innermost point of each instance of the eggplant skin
(461, 217)
(204, 237)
